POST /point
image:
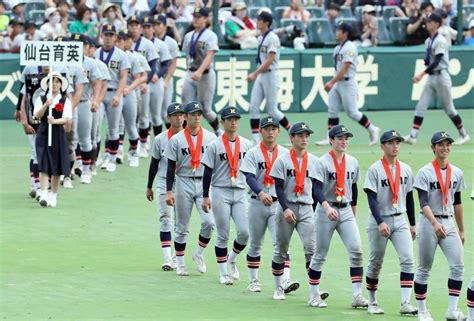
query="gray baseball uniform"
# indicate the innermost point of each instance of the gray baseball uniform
(267, 84)
(346, 225)
(343, 94)
(451, 246)
(376, 180)
(173, 49)
(189, 184)
(439, 83)
(98, 115)
(201, 90)
(301, 205)
(228, 200)
(143, 100)
(260, 216)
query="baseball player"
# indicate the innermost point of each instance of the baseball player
(266, 77)
(439, 185)
(89, 103)
(263, 206)
(389, 188)
(146, 48)
(342, 87)
(200, 81)
(336, 191)
(184, 153)
(293, 174)
(470, 301)
(438, 83)
(160, 28)
(158, 165)
(222, 161)
(158, 91)
(118, 64)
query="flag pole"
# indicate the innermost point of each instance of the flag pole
(50, 108)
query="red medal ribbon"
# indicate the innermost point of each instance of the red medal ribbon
(233, 160)
(300, 174)
(195, 151)
(268, 180)
(444, 188)
(395, 188)
(340, 173)
(170, 134)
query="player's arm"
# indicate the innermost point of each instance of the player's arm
(24, 119)
(153, 69)
(163, 68)
(266, 64)
(171, 70)
(289, 215)
(206, 185)
(459, 214)
(410, 203)
(318, 195)
(122, 82)
(76, 98)
(426, 209)
(251, 180)
(355, 195)
(137, 80)
(429, 69)
(152, 170)
(384, 229)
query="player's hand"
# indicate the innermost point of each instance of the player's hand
(332, 214)
(149, 194)
(51, 120)
(439, 230)
(196, 75)
(417, 78)
(28, 129)
(154, 79)
(354, 210)
(461, 236)
(251, 77)
(328, 86)
(290, 216)
(384, 229)
(94, 106)
(126, 91)
(170, 198)
(413, 232)
(17, 115)
(143, 88)
(206, 204)
(266, 199)
(115, 101)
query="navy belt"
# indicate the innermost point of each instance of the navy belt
(338, 204)
(195, 178)
(111, 89)
(346, 78)
(396, 214)
(436, 72)
(255, 197)
(83, 101)
(443, 216)
(194, 69)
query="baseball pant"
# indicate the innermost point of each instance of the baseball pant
(113, 115)
(32, 141)
(347, 228)
(156, 102)
(166, 220)
(167, 99)
(427, 244)
(97, 118)
(260, 217)
(440, 86)
(266, 86)
(343, 96)
(202, 91)
(227, 203)
(129, 113)
(82, 124)
(401, 239)
(284, 230)
(188, 193)
(144, 110)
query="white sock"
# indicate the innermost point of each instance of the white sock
(372, 296)
(453, 303)
(286, 275)
(223, 268)
(277, 280)
(421, 305)
(120, 148)
(406, 294)
(180, 260)
(470, 313)
(253, 273)
(414, 132)
(167, 252)
(256, 137)
(462, 131)
(200, 250)
(371, 128)
(314, 290)
(113, 158)
(356, 288)
(232, 256)
(86, 168)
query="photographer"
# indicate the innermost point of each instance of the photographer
(416, 29)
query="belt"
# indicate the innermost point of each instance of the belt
(436, 72)
(346, 78)
(83, 101)
(300, 203)
(196, 178)
(396, 214)
(111, 89)
(268, 70)
(194, 69)
(255, 197)
(443, 216)
(338, 204)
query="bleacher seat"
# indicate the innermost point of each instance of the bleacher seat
(36, 15)
(383, 36)
(298, 23)
(277, 16)
(316, 12)
(358, 12)
(119, 2)
(387, 13)
(252, 12)
(280, 3)
(259, 3)
(468, 14)
(320, 32)
(346, 12)
(182, 26)
(34, 5)
(398, 29)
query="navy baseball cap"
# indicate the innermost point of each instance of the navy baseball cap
(30, 23)
(390, 135)
(108, 29)
(80, 37)
(159, 18)
(434, 17)
(338, 131)
(192, 107)
(345, 27)
(147, 21)
(134, 19)
(300, 127)
(124, 34)
(230, 112)
(175, 108)
(201, 12)
(268, 121)
(61, 39)
(92, 42)
(265, 16)
(438, 137)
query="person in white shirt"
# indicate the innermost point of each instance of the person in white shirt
(12, 42)
(52, 28)
(31, 32)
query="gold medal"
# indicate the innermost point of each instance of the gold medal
(233, 180)
(395, 205)
(268, 185)
(194, 169)
(298, 194)
(338, 198)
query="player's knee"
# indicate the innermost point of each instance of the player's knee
(242, 237)
(422, 275)
(375, 266)
(354, 115)
(407, 264)
(356, 257)
(456, 271)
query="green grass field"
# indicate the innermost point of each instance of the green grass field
(97, 255)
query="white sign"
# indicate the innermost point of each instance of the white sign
(50, 53)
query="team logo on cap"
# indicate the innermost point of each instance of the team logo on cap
(232, 110)
(125, 31)
(155, 16)
(196, 105)
(133, 18)
(177, 107)
(270, 120)
(344, 129)
(303, 126)
(394, 134)
(444, 135)
(196, 10)
(77, 36)
(146, 19)
(109, 27)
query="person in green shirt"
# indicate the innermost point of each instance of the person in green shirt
(83, 23)
(240, 28)
(4, 19)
